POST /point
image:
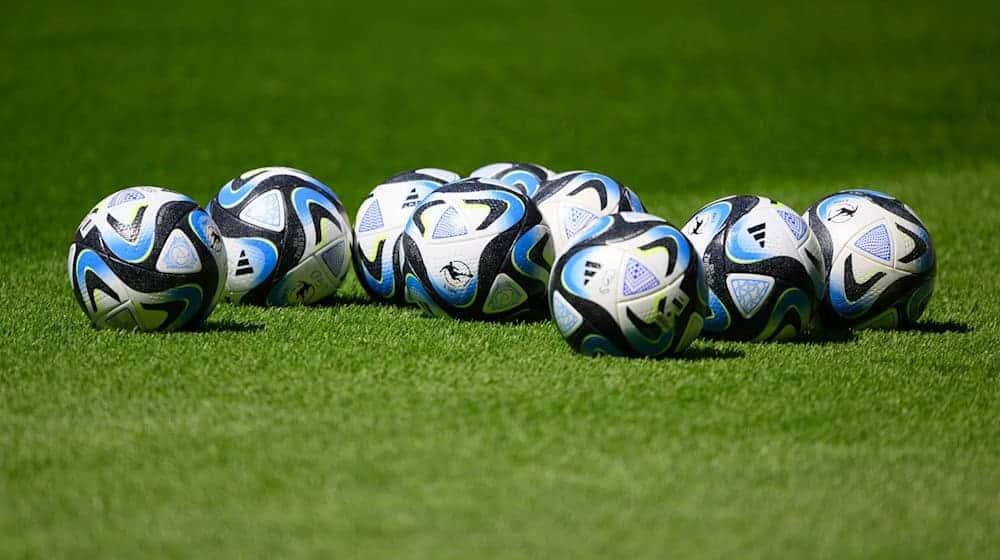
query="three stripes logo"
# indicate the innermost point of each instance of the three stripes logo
(243, 265)
(757, 232)
(590, 269)
(411, 199)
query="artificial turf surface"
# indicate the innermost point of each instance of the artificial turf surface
(357, 430)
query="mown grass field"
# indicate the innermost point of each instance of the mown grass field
(360, 431)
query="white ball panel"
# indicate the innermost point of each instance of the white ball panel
(178, 255)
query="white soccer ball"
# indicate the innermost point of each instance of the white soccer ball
(572, 200)
(380, 220)
(763, 267)
(148, 259)
(880, 259)
(287, 236)
(632, 285)
(476, 249)
(525, 177)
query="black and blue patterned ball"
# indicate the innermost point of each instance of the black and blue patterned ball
(147, 258)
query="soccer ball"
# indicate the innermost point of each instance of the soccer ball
(631, 285)
(880, 260)
(380, 220)
(476, 249)
(147, 259)
(525, 177)
(287, 237)
(572, 200)
(763, 265)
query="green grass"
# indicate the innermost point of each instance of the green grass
(354, 430)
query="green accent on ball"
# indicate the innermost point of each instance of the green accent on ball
(691, 332)
(792, 298)
(886, 320)
(918, 301)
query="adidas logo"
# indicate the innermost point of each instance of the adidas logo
(757, 232)
(411, 199)
(590, 269)
(243, 265)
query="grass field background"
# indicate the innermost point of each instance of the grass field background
(356, 430)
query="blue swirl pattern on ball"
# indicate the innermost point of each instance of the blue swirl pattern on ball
(147, 258)
(524, 177)
(763, 267)
(879, 257)
(475, 249)
(629, 286)
(381, 217)
(288, 237)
